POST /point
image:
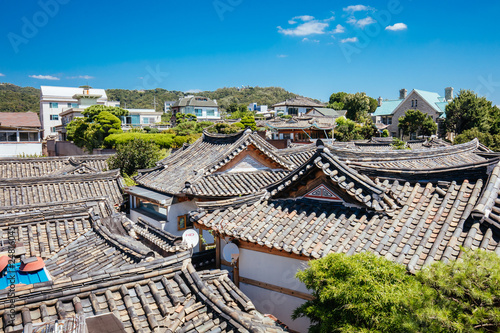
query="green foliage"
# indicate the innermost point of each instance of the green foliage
(162, 140)
(191, 127)
(415, 121)
(286, 116)
(359, 293)
(129, 180)
(336, 105)
(385, 133)
(338, 97)
(346, 130)
(357, 106)
(143, 99)
(373, 104)
(24, 155)
(226, 128)
(94, 110)
(492, 141)
(463, 296)
(367, 293)
(398, 144)
(185, 117)
(368, 130)
(133, 155)
(249, 122)
(467, 110)
(19, 99)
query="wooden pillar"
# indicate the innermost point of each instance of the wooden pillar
(217, 251)
(236, 273)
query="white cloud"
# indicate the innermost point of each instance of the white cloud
(305, 29)
(1, 74)
(349, 40)
(338, 29)
(44, 77)
(86, 77)
(282, 55)
(361, 23)
(357, 8)
(310, 40)
(303, 18)
(397, 27)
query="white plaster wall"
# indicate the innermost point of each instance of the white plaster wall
(277, 304)
(272, 269)
(13, 149)
(176, 210)
(134, 214)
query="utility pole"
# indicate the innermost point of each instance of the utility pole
(154, 102)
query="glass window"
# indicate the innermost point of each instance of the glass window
(69, 105)
(210, 113)
(54, 117)
(3, 136)
(12, 136)
(389, 121)
(145, 120)
(54, 105)
(153, 208)
(198, 112)
(416, 103)
(74, 105)
(28, 136)
(293, 111)
(53, 129)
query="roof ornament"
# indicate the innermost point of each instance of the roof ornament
(320, 145)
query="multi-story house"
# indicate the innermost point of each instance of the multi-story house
(20, 134)
(55, 100)
(202, 107)
(296, 106)
(389, 111)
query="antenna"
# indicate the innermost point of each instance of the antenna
(230, 253)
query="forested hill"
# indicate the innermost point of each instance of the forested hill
(21, 99)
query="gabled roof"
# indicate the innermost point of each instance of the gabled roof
(330, 112)
(20, 119)
(387, 107)
(300, 102)
(195, 101)
(303, 122)
(432, 98)
(195, 169)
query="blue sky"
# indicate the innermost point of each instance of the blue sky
(311, 48)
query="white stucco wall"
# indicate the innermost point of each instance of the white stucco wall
(278, 271)
(134, 214)
(14, 149)
(277, 304)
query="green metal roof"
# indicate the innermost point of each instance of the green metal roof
(387, 107)
(432, 98)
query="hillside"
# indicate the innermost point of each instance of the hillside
(19, 99)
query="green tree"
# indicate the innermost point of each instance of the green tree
(415, 121)
(467, 110)
(134, 155)
(346, 130)
(489, 140)
(373, 104)
(465, 294)
(385, 133)
(249, 122)
(184, 117)
(337, 97)
(357, 106)
(398, 144)
(92, 111)
(359, 293)
(368, 130)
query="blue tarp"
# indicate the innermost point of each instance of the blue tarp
(22, 277)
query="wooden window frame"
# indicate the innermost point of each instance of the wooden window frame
(179, 220)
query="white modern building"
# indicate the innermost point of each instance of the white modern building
(55, 100)
(141, 118)
(202, 107)
(296, 106)
(20, 134)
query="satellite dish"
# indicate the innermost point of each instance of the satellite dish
(231, 253)
(190, 238)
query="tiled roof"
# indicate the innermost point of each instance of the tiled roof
(195, 101)
(198, 164)
(65, 188)
(330, 112)
(35, 167)
(387, 107)
(299, 101)
(303, 122)
(20, 119)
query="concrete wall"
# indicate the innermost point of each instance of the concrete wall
(279, 271)
(13, 149)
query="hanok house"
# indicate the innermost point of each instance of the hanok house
(296, 106)
(304, 129)
(412, 207)
(82, 265)
(215, 167)
(20, 134)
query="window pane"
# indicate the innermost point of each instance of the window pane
(74, 105)
(69, 105)
(12, 136)
(54, 105)
(3, 136)
(33, 136)
(23, 136)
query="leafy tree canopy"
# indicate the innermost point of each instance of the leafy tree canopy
(92, 111)
(184, 117)
(415, 121)
(134, 155)
(467, 110)
(226, 128)
(338, 97)
(368, 293)
(249, 122)
(346, 130)
(357, 106)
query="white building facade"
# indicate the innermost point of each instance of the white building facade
(55, 100)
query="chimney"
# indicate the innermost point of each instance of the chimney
(402, 93)
(380, 101)
(448, 93)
